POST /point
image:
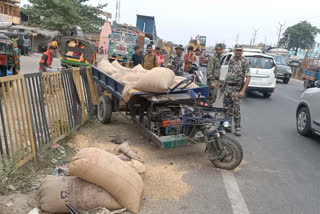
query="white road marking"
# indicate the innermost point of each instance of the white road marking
(237, 202)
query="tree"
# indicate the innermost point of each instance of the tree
(299, 36)
(63, 15)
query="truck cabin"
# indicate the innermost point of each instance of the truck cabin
(121, 45)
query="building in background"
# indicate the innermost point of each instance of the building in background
(9, 13)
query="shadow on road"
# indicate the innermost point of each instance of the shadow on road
(253, 94)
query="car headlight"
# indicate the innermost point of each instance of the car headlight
(226, 124)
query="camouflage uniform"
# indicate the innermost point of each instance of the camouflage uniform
(176, 64)
(237, 71)
(213, 71)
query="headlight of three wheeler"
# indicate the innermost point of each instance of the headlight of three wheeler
(226, 124)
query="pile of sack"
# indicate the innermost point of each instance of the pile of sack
(137, 79)
(96, 179)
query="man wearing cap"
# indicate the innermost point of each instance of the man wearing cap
(213, 72)
(176, 61)
(236, 83)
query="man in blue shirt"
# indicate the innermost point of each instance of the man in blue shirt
(137, 57)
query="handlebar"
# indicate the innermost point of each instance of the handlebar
(186, 81)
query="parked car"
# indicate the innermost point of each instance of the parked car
(262, 70)
(308, 111)
(284, 71)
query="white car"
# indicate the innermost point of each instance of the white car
(308, 111)
(262, 71)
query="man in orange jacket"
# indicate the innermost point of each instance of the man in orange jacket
(46, 59)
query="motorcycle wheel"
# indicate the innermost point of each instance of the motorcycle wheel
(233, 154)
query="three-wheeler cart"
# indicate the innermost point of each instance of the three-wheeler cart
(175, 118)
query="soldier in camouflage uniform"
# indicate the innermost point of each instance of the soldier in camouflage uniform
(236, 83)
(176, 61)
(213, 71)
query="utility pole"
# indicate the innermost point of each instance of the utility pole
(117, 18)
(237, 39)
(254, 36)
(280, 28)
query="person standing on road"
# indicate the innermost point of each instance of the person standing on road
(176, 61)
(189, 59)
(26, 44)
(137, 57)
(149, 60)
(213, 72)
(46, 59)
(235, 85)
(159, 56)
(198, 55)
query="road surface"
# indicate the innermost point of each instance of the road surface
(30, 64)
(280, 171)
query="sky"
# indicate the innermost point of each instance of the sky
(220, 21)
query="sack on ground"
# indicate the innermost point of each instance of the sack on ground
(157, 80)
(112, 174)
(57, 191)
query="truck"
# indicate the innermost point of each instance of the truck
(122, 41)
(147, 25)
(198, 42)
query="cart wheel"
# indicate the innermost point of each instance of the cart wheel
(233, 154)
(104, 109)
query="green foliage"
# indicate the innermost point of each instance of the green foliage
(63, 15)
(299, 36)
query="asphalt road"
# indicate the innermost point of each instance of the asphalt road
(30, 64)
(280, 171)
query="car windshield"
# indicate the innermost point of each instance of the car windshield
(116, 37)
(260, 62)
(279, 60)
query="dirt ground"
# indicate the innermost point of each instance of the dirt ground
(165, 169)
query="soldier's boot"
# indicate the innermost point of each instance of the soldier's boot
(238, 132)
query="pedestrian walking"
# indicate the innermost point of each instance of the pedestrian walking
(149, 60)
(176, 61)
(47, 59)
(236, 83)
(137, 56)
(26, 44)
(213, 72)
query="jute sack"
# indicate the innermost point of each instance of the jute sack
(130, 77)
(107, 67)
(139, 69)
(56, 191)
(117, 65)
(156, 80)
(112, 174)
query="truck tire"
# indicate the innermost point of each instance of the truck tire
(234, 154)
(104, 109)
